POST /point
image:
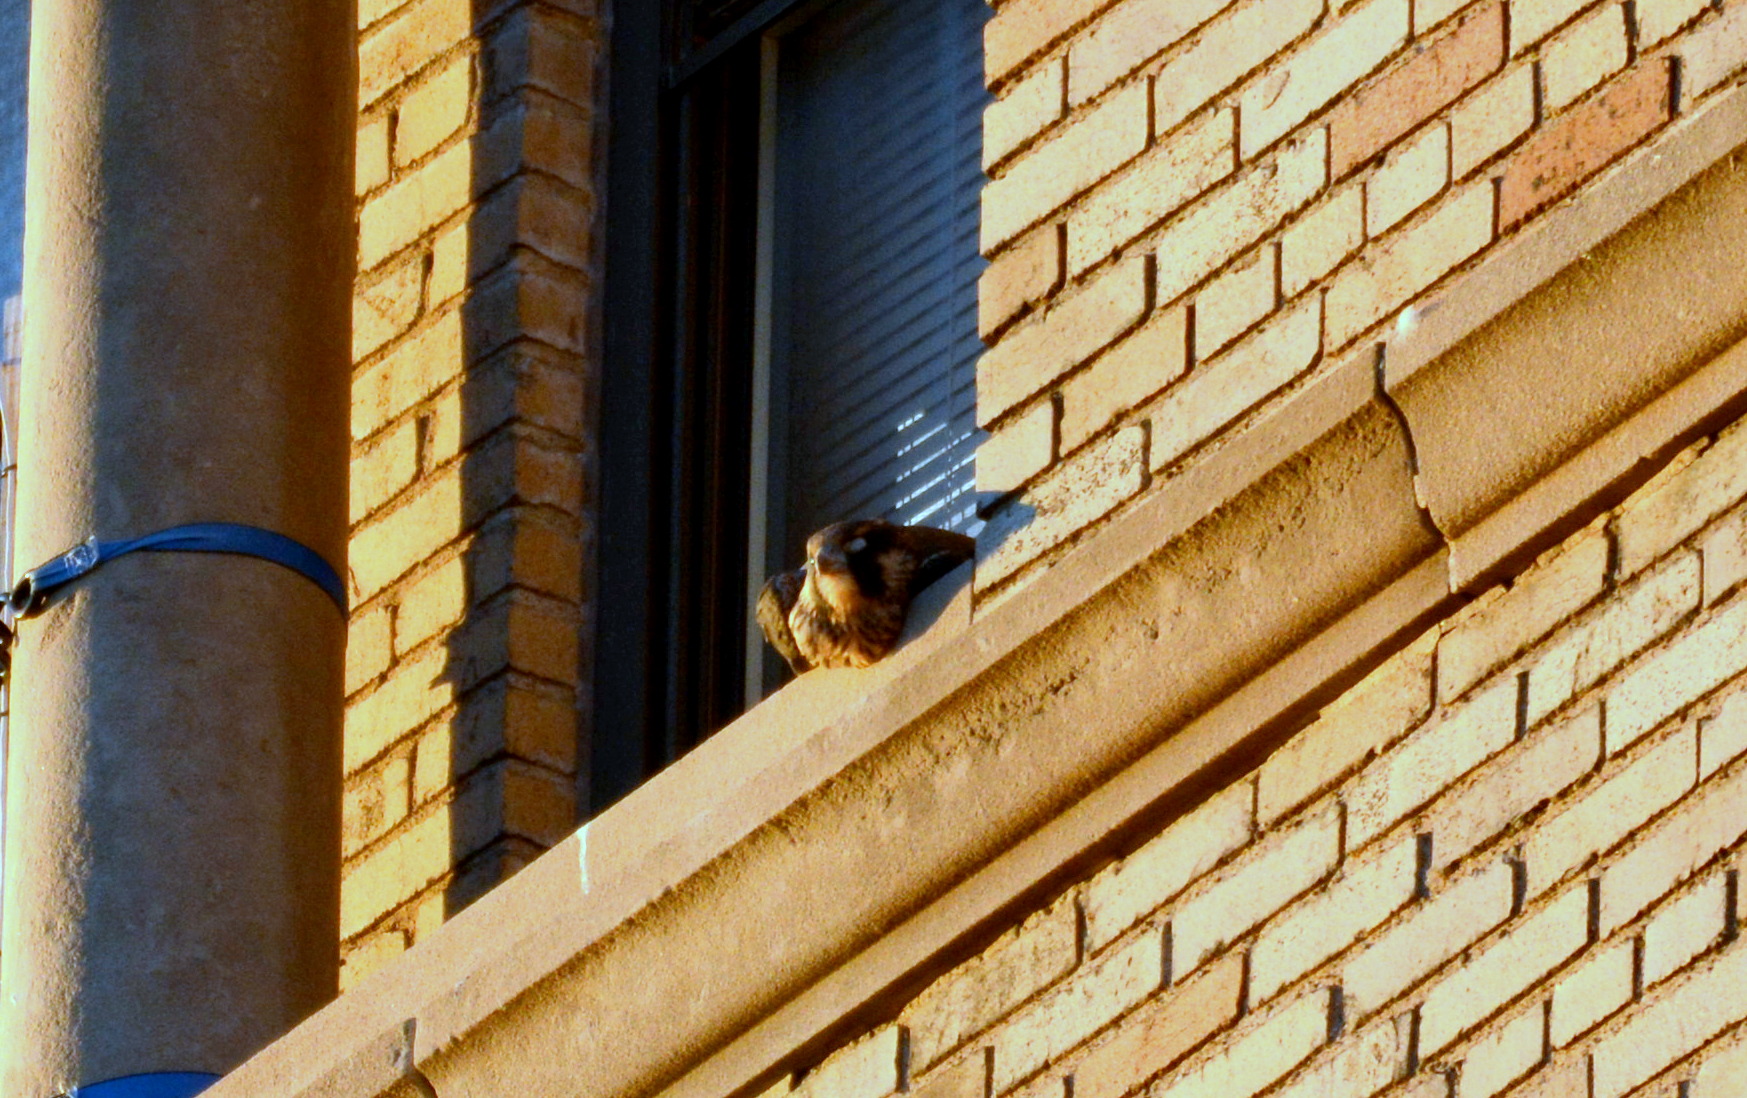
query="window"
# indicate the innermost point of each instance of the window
(790, 328)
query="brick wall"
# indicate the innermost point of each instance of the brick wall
(1196, 203)
(1505, 863)
(474, 347)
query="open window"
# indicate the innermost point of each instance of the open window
(790, 330)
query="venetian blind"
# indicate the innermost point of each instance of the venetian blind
(874, 340)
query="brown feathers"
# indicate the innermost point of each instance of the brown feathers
(845, 607)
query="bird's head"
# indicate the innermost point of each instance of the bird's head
(843, 561)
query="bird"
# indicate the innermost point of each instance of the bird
(846, 605)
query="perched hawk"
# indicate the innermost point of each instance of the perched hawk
(845, 607)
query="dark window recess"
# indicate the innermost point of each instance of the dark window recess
(790, 327)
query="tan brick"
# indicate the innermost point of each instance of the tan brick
(1704, 824)
(1699, 661)
(1512, 785)
(1024, 109)
(517, 631)
(1583, 55)
(1235, 300)
(1490, 120)
(1608, 811)
(1079, 155)
(1019, 277)
(1077, 493)
(1503, 1055)
(1504, 968)
(1160, 1034)
(1074, 329)
(1720, 1075)
(382, 879)
(414, 205)
(1260, 1055)
(1435, 1084)
(1227, 222)
(1669, 509)
(1722, 738)
(1583, 141)
(1268, 875)
(417, 35)
(1635, 616)
(1429, 935)
(1319, 241)
(1174, 173)
(1428, 761)
(373, 11)
(1362, 894)
(1126, 892)
(431, 604)
(1149, 359)
(382, 467)
(434, 111)
(1220, 391)
(1365, 1063)
(1430, 79)
(369, 647)
(1681, 930)
(1671, 1025)
(1591, 991)
(1412, 175)
(534, 212)
(977, 994)
(514, 715)
(1018, 450)
(375, 800)
(1567, 1078)
(1406, 263)
(1373, 714)
(1128, 34)
(1022, 28)
(1107, 987)
(370, 170)
(1714, 52)
(1226, 50)
(526, 383)
(1533, 20)
(1504, 622)
(866, 1069)
(1319, 71)
(386, 307)
(389, 388)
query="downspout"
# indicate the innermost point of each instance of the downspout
(172, 810)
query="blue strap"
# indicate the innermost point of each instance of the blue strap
(174, 1084)
(33, 591)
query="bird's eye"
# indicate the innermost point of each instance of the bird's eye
(857, 545)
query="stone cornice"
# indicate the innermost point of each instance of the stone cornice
(815, 859)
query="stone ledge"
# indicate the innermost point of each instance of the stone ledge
(815, 860)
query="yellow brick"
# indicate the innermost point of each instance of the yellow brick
(1260, 1054)
(412, 694)
(369, 647)
(1228, 48)
(1706, 822)
(413, 371)
(1684, 928)
(1025, 108)
(1670, 1025)
(370, 954)
(415, 205)
(1413, 173)
(384, 878)
(1724, 553)
(1531, 20)
(1504, 968)
(1077, 493)
(1720, 1075)
(1723, 737)
(434, 111)
(1147, 360)
(1322, 239)
(1126, 35)
(1697, 662)
(1712, 51)
(1668, 509)
(1373, 714)
(1482, 125)
(1021, 28)
(1429, 760)
(417, 34)
(1056, 170)
(1021, 276)
(382, 467)
(1591, 991)
(1221, 390)
(980, 992)
(1503, 1055)
(371, 167)
(1659, 19)
(1582, 56)
(866, 1069)
(1364, 1063)
(538, 805)
(1017, 450)
(1174, 173)
(375, 800)
(1126, 892)
(1268, 875)
(1503, 623)
(385, 307)
(1235, 300)
(390, 544)
(431, 604)
(1320, 70)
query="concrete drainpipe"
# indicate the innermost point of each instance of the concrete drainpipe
(172, 828)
